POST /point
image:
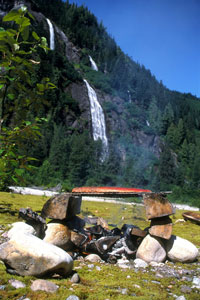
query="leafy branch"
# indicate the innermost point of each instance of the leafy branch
(19, 92)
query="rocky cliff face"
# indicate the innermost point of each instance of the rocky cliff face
(114, 121)
(7, 5)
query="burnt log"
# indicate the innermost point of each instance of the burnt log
(36, 221)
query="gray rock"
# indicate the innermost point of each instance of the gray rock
(123, 263)
(29, 255)
(91, 266)
(181, 298)
(16, 283)
(72, 297)
(75, 278)
(93, 258)
(156, 264)
(124, 291)
(2, 287)
(181, 250)
(196, 280)
(156, 282)
(151, 249)
(186, 289)
(44, 285)
(159, 275)
(139, 263)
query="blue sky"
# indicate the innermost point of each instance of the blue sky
(163, 35)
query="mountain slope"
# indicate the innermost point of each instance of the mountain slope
(153, 133)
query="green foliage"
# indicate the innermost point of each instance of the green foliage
(18, 94)
(154, 116)
(167, 170)
(98, 79)
(12, 162)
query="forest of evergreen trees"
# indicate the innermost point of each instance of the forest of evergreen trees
(69, 156)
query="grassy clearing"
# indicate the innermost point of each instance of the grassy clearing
(109, 282)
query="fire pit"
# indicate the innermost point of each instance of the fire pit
(81, 236)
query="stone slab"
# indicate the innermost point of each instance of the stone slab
(61, 206)
(138, 232)
(157, 206)
(161, 227)
(192, 216)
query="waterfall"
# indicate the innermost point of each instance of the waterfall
(52, 39)
(129, 96)
(98, 120)
(93, 64)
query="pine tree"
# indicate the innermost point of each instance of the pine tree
(167, 119)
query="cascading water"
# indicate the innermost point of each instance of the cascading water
(129, 96)
(93, 64)
(52, 38)
(98, 120)
(147, 122)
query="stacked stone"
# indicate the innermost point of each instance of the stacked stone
(158, 210)
(160, 244)
(61, 230)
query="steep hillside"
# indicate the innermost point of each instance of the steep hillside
(152, 132)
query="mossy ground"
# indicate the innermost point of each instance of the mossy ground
(110, 280)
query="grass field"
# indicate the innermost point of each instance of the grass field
(102, 281)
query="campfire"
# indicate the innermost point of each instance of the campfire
(69, 236)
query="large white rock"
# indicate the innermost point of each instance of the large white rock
(20, 227)
(29, 255)
(59, 235)
(151, 249)
(181, 250)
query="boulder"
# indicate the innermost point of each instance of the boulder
(28, 255)
(151, 249)
(22, 228)
(59, 235)
(61, 206)
(181, 250)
